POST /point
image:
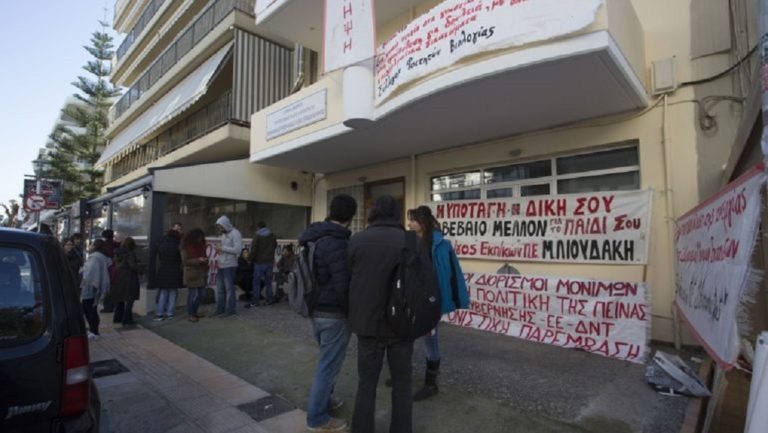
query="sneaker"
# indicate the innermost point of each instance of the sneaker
(158, 319)
(92, 336)
(251, 305)
(335, 403)
(193, 319)
(333, 424)
(169, 317)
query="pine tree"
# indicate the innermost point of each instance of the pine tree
(86, 144)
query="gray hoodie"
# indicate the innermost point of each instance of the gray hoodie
(95, 283)
(231, 244)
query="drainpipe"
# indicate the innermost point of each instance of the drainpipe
(299, 82)
(670, 217)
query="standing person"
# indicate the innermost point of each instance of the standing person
(284, 267)
(110, 245)
(195, 270)
(328, 309)
(244, 276)
(450, 279)
(374, 254)
(125, 289)
(168, 279)
(228, 250)
(74, 260)
(263, 258)
(95, 285)
(77, 241)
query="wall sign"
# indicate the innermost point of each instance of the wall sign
(301, 113)
(605, 227)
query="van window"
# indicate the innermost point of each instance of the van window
(21, 297)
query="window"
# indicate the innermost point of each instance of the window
(609, 170)
(21, 297)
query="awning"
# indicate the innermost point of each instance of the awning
(178, 99)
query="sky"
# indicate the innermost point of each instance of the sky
(41, 47)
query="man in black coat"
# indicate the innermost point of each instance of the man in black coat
(168, 278)
(328, 309)
(374, 254)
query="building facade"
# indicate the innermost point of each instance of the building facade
(627, 99)
(178, 150)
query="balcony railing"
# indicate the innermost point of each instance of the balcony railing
(188, 39)
(144, 19)
(201, 122)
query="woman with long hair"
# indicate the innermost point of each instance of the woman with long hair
(125, 289)
(195, 260)
(450, 278)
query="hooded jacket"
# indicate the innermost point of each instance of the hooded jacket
(231, 244)
(95, 283)
(331, 266)
(450, 278)
(263, 248)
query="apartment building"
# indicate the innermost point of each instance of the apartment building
(193, 72)
(605, 96)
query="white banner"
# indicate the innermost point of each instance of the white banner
(456, 29)
(713, 246)
(604, 227)
(349, 35)
(610, 318)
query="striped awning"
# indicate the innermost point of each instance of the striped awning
(178, 99)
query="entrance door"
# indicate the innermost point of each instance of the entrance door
(394, 187)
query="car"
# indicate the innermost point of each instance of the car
(45, 379)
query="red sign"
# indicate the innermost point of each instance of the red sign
(34, 203)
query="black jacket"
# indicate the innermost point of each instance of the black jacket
(331, 268)
(263, 247)
(373, 255)
(169, 269)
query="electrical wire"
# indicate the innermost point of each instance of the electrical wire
(723, 73)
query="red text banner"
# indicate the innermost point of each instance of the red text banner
(455, 29)
(606, 227)
(349, 33)
(610, 318)
(713, 246)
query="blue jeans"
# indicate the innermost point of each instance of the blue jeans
(225, 290)
(262, 271)
(332, 335)
(431, 346)
(194, 297)
(166, 303)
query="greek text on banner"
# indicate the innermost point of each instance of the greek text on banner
(604, 227)
(610, 318)
(455, 29)
(713, 246)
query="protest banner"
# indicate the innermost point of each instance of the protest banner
(604, 227)
(212, 254)
(610, 318)
(713, 250)
(349, 33)
(456, 29)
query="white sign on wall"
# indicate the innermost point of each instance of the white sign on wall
(610, 318)
(713, 248)
(455, 29)
(602, 227)
(349, 35)
(296, 115)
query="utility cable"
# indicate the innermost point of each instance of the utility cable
(723, 73)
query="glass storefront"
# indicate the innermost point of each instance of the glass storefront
(286, 221)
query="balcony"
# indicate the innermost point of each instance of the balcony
(144, 19)
(188, 39)
(590, 72)
(207, 119)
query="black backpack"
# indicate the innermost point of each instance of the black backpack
(301, 280)
(414, 304)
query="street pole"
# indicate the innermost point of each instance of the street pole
(38, 180)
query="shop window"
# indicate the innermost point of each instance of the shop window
(608, 170)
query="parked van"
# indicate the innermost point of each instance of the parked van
(45, 381)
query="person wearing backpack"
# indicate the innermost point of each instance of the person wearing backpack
(328, 309)
(453, 288)
(375, 257)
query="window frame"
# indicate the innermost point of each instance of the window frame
(552, 180)
(37, 265)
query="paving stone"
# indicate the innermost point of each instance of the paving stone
(241, 394)
(294, 421)
(201, 406)
(224, 420)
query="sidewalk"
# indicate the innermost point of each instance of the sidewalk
(169, 389)
(196, 377)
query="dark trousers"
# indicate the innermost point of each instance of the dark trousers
(370, 357)
(123, 313)
(91, 315)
